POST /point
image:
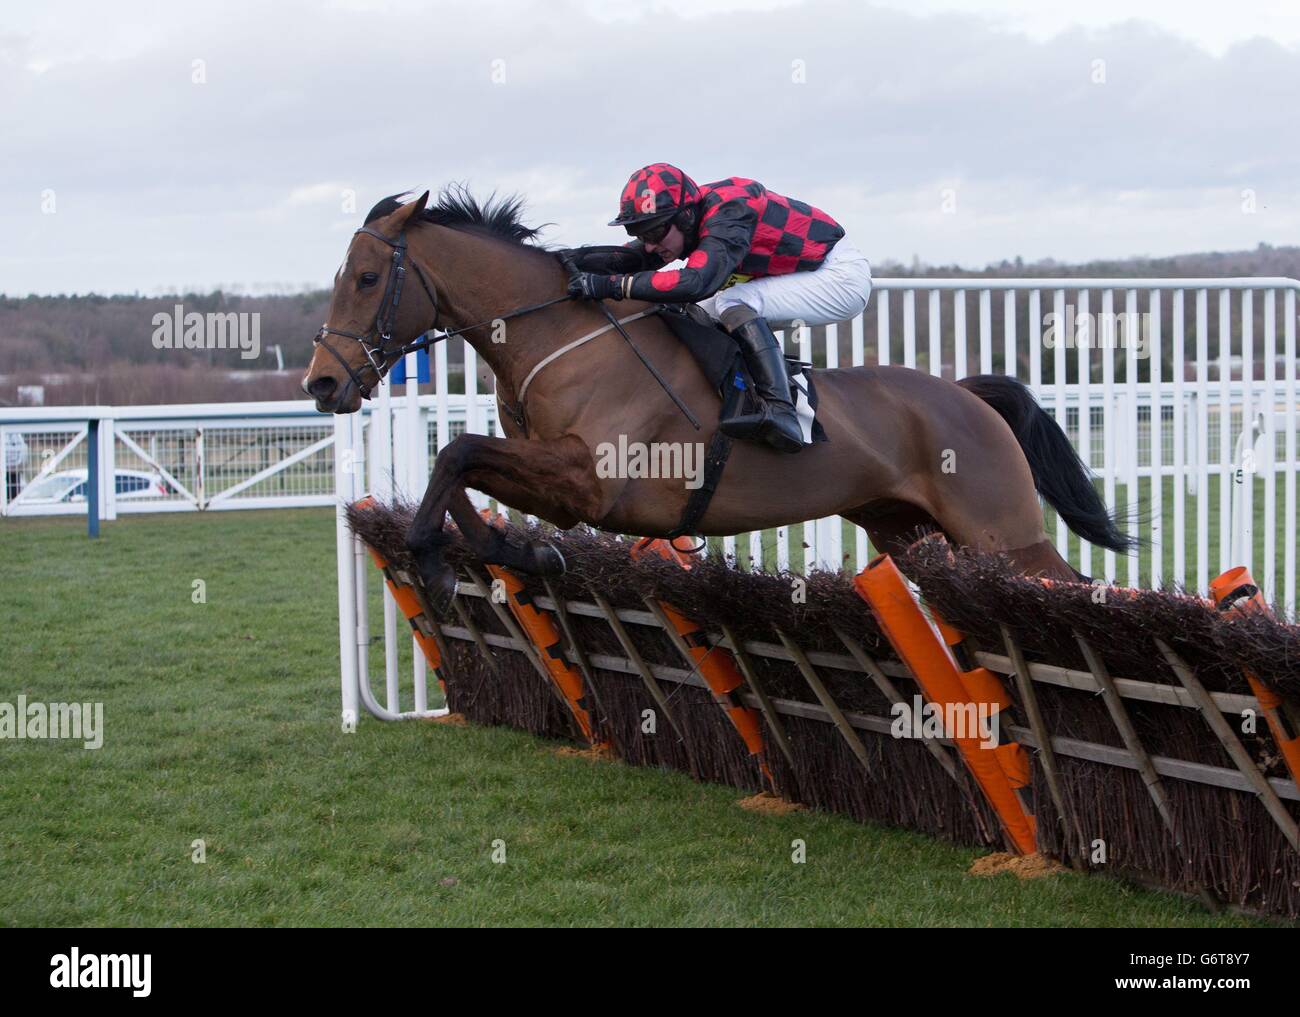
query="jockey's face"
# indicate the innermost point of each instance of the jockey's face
(670, 247)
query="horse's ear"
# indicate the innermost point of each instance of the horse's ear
(398, 219)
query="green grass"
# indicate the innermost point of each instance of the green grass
(222, 725)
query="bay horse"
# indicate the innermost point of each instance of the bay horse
(906, 450)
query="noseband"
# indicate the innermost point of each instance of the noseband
(379, 353)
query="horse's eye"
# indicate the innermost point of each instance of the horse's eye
(369, 278)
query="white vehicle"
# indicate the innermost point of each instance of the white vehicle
(15, 451)
(69, 486)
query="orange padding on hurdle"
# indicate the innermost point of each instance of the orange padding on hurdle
(541, 632)
(409, 604)
(1000, 771)
(983, 686)
(716, 665)
(1269, 701)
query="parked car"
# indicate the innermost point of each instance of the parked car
(15, 451)
(67, 486)
(15, 457)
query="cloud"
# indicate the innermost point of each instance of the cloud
(868, 112)
(317, 194)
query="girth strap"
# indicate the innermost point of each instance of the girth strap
(715, 461)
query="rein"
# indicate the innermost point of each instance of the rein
(379, 357)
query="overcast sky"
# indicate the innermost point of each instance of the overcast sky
(952, 131)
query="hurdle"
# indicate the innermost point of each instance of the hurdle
(757, 693)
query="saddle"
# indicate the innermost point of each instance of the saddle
(719, 358)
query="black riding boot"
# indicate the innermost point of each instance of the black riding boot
(775, 422)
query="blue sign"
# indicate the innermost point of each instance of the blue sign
(398, 373)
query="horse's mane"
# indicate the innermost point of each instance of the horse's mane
(457, 208)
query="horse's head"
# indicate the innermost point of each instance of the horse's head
(375, 310)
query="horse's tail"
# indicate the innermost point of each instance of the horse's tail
(1059, 474)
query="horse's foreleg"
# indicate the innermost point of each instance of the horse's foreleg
(553, 479)
(500, 546)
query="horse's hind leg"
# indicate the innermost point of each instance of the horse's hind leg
(893, 525)
(1008, 521)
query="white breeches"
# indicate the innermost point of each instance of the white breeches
(836, 291)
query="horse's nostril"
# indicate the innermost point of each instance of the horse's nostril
(322, 388)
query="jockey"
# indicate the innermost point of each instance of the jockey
(761, 258)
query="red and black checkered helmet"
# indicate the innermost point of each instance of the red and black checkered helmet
(653, 192)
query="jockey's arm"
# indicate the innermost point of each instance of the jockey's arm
(725, 239)
(630, 258)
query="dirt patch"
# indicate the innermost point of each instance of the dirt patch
(592, 752)
(1033, 866)
(770, 805)
(454, 719)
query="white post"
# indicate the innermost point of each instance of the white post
(1058, 385)
(108, 467)
(935, 325)
(4, 461)
(1225, 430)
(343, 465)
(1270, 445)
(1009, 333)
(959, 335)
(1249, 462)
(200, 471)
(1084, 340)
(1289, 526)
(1131, 422)
(1182, 416)
(1107, 346)
(1157, 404)
(361, 633)
(414, 443)
(814, 553)
(832, 544)
(859, 359)
(382, 484)
(1202, 441)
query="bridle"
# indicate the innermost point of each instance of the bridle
(378, 355)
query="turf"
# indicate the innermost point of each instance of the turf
(222, 726)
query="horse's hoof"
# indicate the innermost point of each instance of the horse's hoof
(550, 562)
(440, 590)
(440, 604)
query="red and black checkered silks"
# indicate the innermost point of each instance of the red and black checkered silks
(653, 190)
(744, 230)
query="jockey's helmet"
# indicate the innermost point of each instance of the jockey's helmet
(654, 194)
